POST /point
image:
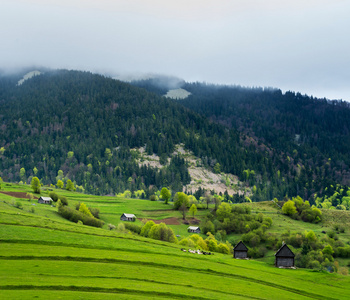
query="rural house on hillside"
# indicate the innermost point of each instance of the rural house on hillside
(194, 229)
(128, 217)
(240, 250)
(284, 257)
(45, 200)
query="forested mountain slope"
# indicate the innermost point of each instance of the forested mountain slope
(85, 125)
(307, 139)
(311, 134)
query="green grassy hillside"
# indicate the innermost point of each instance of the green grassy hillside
(44, 256)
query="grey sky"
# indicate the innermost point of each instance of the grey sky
(293, 45)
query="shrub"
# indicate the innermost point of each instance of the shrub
(95, 212)
(121, 227)
(74, 216)
(18, 204)
(111, 226)
(133, 227)
(153, 198)
(64, 200)
(53, 196)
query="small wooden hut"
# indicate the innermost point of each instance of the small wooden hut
(45, 200)
(284, 257)
(194, 229)
(128, 217)
(240, 250)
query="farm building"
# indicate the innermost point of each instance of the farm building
(194, 229)
(128, 217)
(45, 200)
(240, 250)
(284, 257)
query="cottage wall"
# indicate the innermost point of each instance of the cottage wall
(284, 262)
(241, 254)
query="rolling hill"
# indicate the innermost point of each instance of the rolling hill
(43, 255)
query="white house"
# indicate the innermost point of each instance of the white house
(45, 200)
(193, 229)
(128, 217)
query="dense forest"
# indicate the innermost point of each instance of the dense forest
(85, 125)
(305, 140)
(82, 126)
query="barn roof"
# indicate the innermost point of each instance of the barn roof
(129, 215)
(284, 251)
(192, 228)
(240, 247)
(46, 198)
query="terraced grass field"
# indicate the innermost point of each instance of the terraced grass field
(43, 256)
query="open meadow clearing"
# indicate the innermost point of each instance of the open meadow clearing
(43, 255)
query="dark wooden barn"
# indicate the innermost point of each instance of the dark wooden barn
(240, 250)
(284, 257)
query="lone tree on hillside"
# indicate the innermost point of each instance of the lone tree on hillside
(181, 203)
(165, 194)
(35, 184)
(193, 210)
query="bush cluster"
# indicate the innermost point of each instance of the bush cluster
(133, 227)
(296, 208)
(158, 232)
(209, 244)
(75, 216)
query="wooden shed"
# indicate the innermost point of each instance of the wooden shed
(284, 257)
(45, 200)
(194, 229)
(240, 250)
(128, 217)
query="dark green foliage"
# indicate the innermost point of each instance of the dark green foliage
(83, 115)
(297, 208)
(95, 212)
(53, 196)
(64, 200)
(133, 227)
(75, 216)
(296, 138)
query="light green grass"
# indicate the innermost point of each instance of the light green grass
(46, 257)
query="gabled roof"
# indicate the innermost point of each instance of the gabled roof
(46, 198)
(284, 251)
(192, 228)
(240, 247)
(129, 215)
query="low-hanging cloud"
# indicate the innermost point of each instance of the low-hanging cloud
(293, 45)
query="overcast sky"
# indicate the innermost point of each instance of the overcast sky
(299, 45)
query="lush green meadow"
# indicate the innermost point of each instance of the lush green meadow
(44, 256)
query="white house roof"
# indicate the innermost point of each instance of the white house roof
(46, 198)
(129, 215)
(192, 228)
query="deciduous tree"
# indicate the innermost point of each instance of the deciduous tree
(35, 184)
(193, 210)
(165, 194)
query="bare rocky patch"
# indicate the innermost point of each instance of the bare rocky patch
(201, 177)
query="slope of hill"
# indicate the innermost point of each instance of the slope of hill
(85, 124)
(43, 255)
(306, 140)
(311, 135)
